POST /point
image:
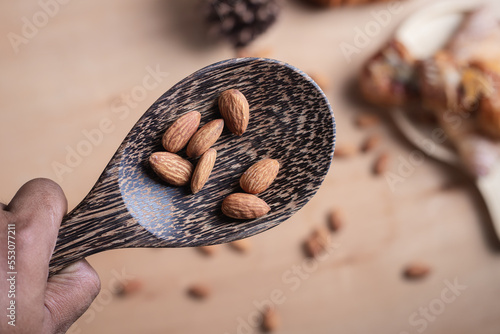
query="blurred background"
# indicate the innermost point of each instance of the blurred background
(408, 257)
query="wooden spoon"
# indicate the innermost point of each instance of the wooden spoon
(129, 206)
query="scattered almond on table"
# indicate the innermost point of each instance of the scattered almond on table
(364, 121)
(381, 164)
(345, 150)
(241, 245)
(335, 219)
(270, 320)
(316, 243)
(199, 291)
(416, 270)
(207, 250)
(128, 287)
(371, 142)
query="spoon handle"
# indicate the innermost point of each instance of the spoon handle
(100, 222)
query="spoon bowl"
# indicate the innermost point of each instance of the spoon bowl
(129, 206)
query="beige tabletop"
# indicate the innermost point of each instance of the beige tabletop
(81, 71)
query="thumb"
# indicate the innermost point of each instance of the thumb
(69, 294)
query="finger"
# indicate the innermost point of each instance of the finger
(36, 210)
(69, 294)
(4, 215)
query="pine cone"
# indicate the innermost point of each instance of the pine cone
(241, 21)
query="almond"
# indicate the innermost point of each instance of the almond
(270, 320)
(199, 291)
(207, 250)
(178, 134)
(259, 176)
(335, 219)
(234, 108)
(364, 121)
(261, 53)
(241, 245)
(128, 287)
(416, 270)
(204, 138)
(312, 248)
(345, 150)
(371, 143)
(317, 242)
(171, 168)
(381, 164)
(244, 206)
(203, 169)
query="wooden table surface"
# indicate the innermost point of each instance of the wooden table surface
(85, 64)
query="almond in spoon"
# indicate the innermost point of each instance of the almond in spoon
(259, 176)
(203, 169)
(234, 108)
(178, 134)
(244, 206)
(204, 138)
(171, 168)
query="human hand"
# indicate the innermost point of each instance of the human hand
(29, 225)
